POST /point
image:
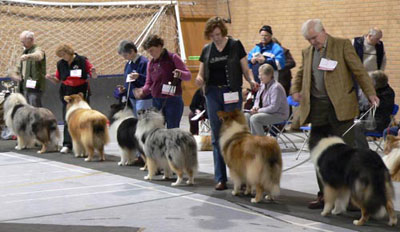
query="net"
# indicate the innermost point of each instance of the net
(94, 30)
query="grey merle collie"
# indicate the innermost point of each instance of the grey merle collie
(168, 149)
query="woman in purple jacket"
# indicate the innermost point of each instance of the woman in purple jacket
(270, 106)
(165, 72)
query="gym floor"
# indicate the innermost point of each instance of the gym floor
(57, 192)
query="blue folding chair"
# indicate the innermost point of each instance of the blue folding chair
(278, 128)
(379, 135)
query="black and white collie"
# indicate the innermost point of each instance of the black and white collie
(348, 173)
(123, 128)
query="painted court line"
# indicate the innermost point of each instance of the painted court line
(61, 189)
(233, 208)
(71, 195)
(19, 156)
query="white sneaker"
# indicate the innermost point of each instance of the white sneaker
(64, 150)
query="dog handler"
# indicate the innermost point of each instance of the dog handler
(73, 71)
(222, 63)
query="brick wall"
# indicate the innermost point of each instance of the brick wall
(341, 18)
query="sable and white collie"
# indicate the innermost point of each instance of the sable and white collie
(87, 127)
(123, 129)
(392, 157)
(168, 149)
(253, 160)
(31, 124)
(348, 173)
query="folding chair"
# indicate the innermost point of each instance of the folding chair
(279, 128)
(379, 135)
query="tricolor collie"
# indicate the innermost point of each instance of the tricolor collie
(168, 149)
(392, 156)
(31, 124)
(87, 127)
(253, 160)
(123, 128)
(348, 173)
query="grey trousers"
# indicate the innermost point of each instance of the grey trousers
(257, 121)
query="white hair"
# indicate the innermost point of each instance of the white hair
(316, 23)
(375, 32)
(27, 35)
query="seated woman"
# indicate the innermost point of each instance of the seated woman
(270, 105)
(197, 105)
(382, 115)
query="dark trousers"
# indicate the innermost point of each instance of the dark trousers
(322, 113)
(65, 91)
(215, 103)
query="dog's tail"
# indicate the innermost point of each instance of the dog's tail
(98, 127)
(373, 188)
(272, 159)
(46, 131)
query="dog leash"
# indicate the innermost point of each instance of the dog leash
(373, 107)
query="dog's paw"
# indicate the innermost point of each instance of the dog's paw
(324, 214)
(269, 198)
(176, 184)
(88, 159)
(143, 169)
(40, 152)
(235, 193)
(189, 182)
(392, 222)
(336, 211)
(254, 200)
(147, 177)
(18, 148)
(120, 164)
(357, 223)
(165, 177)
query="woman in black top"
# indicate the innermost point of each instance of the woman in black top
(222, 63)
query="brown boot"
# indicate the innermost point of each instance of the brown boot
(221, 186)
(318, 203)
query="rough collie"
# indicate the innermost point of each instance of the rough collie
(348, 173)
(31, 124)
(168, 149)
(123, 128)
(87, 127)
(203, 142)
(253, 160)
(392, 157)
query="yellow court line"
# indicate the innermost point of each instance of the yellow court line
(53, 180)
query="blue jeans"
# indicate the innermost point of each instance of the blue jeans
(172, 111)
(392, 131)
(140, 104)
(215, 103)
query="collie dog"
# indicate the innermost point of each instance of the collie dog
(203, 142)
(348, 173)
(392, 157)
(253, 160)
(168, 149)
(31, 124)
(87, 127)
(123, 127)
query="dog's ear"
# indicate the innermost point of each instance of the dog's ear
(67, 99)
(80, 94)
